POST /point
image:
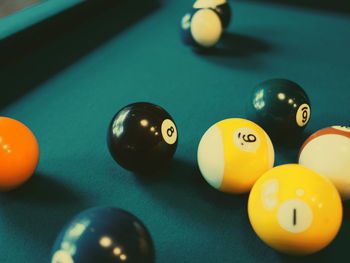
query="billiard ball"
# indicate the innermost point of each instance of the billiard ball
(233, 153)
(222, 7)
(142, 137)
(201, 28)
(327, 152)
(19, 153)
(281, 107)
(295, 210)
(103, 234)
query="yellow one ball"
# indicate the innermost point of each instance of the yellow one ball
(295, 210)
(233, 154)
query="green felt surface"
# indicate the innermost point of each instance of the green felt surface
(68, 91)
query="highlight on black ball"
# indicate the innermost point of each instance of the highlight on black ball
(281, 107)
(103, 234)
(142, 137)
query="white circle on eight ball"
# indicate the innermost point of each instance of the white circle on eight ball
(62, 256)
(246, 139)
(303, 115)
(169, 131)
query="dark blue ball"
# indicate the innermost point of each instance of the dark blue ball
(185, 29)
(281, 107)
(103, 234)
(201, 28)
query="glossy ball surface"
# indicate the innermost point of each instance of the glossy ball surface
(142, 137)
(295, 210)
(201, 28)
(233, 154)
(222, 7)
(281, 107)
(327, 152)
(103, 234)
(19, 153)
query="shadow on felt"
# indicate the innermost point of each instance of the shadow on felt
(40, 208)
(238, 51)
(288, 149)
(183, 187)
(42, 189)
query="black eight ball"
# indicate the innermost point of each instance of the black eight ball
(142, 137)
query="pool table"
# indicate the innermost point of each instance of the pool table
(68, 87)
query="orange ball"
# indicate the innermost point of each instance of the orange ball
(19, 153)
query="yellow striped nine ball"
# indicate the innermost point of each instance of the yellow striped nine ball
(233, 154)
